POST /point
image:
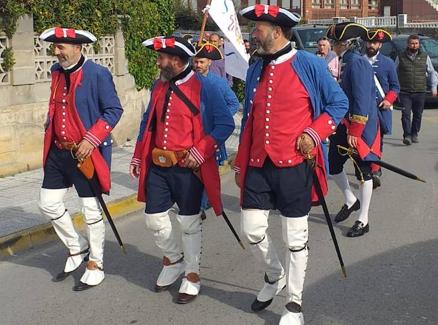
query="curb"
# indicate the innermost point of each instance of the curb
(44, 233)
(40, 234)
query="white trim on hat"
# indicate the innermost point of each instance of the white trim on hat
(51, 31)
(150, 42)
(86, 34)
(48, 32)
(294, 16)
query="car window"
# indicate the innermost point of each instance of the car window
(387, 49)
(430, 46)
(400, 44)
(309, 37)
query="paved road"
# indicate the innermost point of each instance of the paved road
(392, 271)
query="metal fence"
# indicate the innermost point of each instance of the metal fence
(5, 76)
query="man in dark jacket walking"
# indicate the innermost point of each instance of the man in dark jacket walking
(414, 67)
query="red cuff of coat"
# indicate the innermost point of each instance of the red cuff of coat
(356, 129)
(197, 155)
(391, 96)
(321, 128)
(204, 149)
(136, 157)
(98, 132)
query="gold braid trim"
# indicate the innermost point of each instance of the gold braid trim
(343, 151)
(359, 119)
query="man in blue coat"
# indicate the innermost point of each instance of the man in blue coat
(205, 55)
(292, 103)
(360, 129)
(387, 86)
(83, 109)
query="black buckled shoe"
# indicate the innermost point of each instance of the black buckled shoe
(271, 288)
(82, 287)
(358, 229)
(345, 212)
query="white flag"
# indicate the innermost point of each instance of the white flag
(224, 15)
(235, 65)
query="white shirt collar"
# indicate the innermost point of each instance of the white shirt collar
(372, 59)
(183, 80)
(284, 57)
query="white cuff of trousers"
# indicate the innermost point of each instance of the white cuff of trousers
(189, 288)
(93, 277)
(73, 262)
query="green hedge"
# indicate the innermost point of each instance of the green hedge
(139, 20)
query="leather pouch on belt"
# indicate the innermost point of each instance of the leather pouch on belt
(164, 158)
(87, 167)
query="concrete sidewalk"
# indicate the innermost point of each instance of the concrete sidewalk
(21, 223)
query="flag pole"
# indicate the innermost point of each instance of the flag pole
(204, 22)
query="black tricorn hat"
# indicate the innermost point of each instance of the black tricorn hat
(347, 30)
(208, 51)
(378, 35)
(67, 35)
(171, 45)
(273, 14)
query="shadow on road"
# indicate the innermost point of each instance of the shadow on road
(397, 287)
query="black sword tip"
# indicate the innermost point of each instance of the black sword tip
(241, 245)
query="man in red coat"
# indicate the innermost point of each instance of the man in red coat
(186, 122)
(291, 104)
(83, 109)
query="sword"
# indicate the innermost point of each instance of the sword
(327, 216)
(351, 152)
(232, 229)
(87, 168)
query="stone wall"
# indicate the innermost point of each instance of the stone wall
(24, 94)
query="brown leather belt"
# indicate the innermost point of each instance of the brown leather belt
(66, 145)
(167, 158)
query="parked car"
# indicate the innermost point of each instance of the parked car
(429, 45)
(306, 36)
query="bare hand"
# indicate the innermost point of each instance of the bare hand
(189, 162)
(434, 93)
(85, 148)
(385, 104)
(237, 179)
(134, 171)
(352, 141)
(305, 144)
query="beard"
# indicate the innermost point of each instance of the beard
(265, 46)
(166, 73)
(371, 52)
(413, 51)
